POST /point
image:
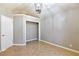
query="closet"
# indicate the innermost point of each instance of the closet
(20, 28)
(31, 31)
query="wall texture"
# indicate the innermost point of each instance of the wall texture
(18, 30)
(61, 28)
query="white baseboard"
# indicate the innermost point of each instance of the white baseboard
(12, 45)
(31, 40)
(5, 48)
(66, 48)
(19, 44)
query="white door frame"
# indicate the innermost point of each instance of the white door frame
(35, 21)
(37, 30)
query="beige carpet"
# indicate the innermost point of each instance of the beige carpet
(36, 48)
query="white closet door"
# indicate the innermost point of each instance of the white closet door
(6, 32)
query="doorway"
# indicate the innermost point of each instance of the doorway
(32, 31)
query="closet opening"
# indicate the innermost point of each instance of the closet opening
(32, 31)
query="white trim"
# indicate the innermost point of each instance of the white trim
(5, 49)
(19, 44)
(39, 31)
(66, 48)
(23, 15)
(13, 45)
(31, 18)
(31, 39)
(38, 28)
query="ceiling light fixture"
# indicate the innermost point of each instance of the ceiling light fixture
(38, 7)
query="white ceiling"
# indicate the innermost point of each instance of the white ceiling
(29, 9)
(18, 8)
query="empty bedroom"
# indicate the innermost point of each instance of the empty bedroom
(39, 29)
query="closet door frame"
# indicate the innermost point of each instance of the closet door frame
(24, 24)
